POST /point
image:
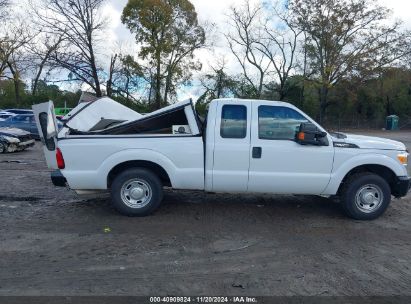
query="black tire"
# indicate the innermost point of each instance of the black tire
(355, 205)
(3, 147)
(145, 181)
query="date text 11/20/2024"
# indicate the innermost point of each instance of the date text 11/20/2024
(237, 299)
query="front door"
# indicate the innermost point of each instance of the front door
(278, 164)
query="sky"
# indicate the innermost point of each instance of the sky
(214, 11)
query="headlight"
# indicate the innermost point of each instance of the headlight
(403, 158)
(11, 140)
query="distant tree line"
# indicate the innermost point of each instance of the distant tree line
(345, 62)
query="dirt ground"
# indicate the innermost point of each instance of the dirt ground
(53, 242)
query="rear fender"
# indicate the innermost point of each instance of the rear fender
(133, 155)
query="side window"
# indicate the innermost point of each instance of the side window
(49, 142)
(278, 123)
(233, 121)
(21, 118)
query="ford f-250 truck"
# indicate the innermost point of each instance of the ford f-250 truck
(242, 146)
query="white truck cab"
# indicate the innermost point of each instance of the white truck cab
(243, 146)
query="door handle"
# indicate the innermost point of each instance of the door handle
(257, 152)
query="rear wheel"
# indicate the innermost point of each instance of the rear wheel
(365, 196)
(136, 192)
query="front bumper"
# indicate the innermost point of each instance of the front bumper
(27, 144)
(401, 187)
(58, 179)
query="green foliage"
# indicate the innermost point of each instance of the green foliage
(168, 33)
(140, 107)
(347, 38)
(7, 93)
(45, 92)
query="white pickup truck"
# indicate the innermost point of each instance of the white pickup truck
(243, 146)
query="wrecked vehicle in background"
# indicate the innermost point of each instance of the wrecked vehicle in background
(13, 140)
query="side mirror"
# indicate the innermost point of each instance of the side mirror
(309, 134)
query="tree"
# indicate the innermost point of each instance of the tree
(279, 43)
(125, 77)
(216, 84)
(80, 26)
(244, 43)
(346, 37)
(13, 56)
(169, 33)
(41, 54)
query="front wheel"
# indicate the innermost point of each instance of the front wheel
(136, 192)
(365, 196)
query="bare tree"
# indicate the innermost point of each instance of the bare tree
(80, 25)
(13, 36)
(243, 42)
(125, 77)
(41, 52)
(13, 56)
(279, 43)
(216, 82)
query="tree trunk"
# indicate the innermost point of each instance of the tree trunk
(220, 84)
(168, 85)
(16, 82)
(127, 88)
(260, 87)
(150, 92)
(97, 83)
(302, 93)
(281, 92)
(37, 78)
(17, 90)
(97, 88)
(323, 102)
(157, 104)
(110, 78)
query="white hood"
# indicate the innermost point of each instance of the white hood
(370, 142)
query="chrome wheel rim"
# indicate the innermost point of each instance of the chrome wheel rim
(136, 193)
(369, 198)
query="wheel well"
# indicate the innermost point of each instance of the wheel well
(382, 171)
(153, 167)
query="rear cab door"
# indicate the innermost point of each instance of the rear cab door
(46, 123)
(231, 149)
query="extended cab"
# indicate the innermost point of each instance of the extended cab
(242, 146)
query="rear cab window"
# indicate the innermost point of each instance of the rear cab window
(233, 121)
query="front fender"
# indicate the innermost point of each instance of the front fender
(343, 169)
